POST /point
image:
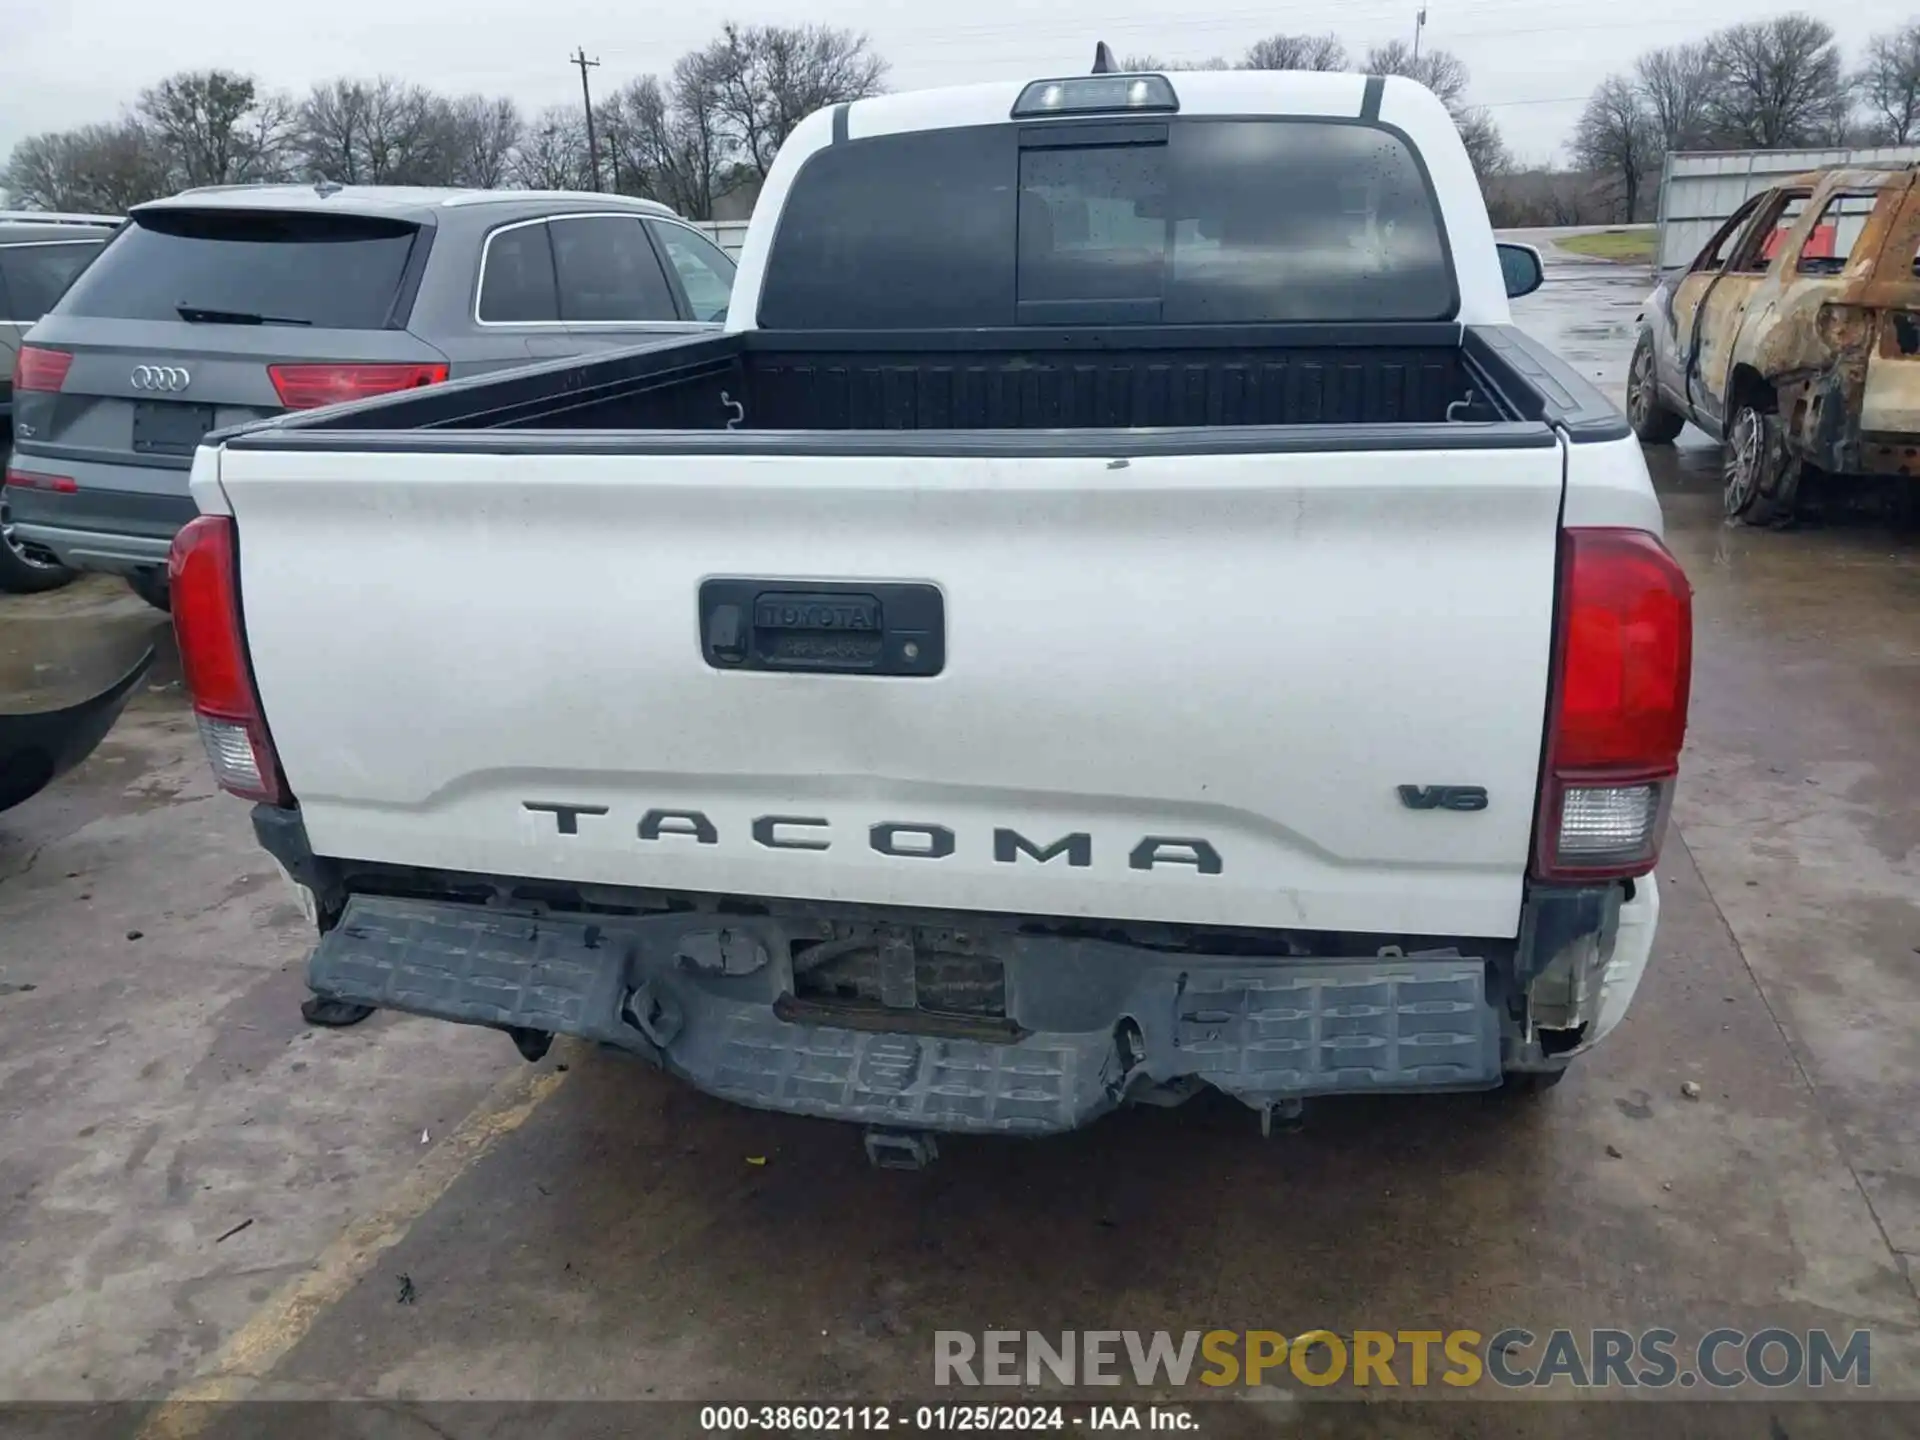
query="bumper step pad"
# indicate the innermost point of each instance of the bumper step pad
(1262, 1031)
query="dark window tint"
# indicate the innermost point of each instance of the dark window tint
(608, 270)
(1188, 222)
(898, 232)
(339, 272)
(35, 275)
(1093, 230)
(706, 274)
(518, 284)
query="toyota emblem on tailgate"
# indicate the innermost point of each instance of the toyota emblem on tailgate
(160, 377)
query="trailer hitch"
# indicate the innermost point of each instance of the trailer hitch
(1288, 1116)
(900, 1149)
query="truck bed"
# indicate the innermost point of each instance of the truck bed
(1398, 386)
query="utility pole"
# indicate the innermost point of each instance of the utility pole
(579, 57)
(1419, 24)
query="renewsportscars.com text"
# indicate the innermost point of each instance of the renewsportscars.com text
(1513, 1358)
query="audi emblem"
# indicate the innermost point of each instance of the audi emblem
(169, 378)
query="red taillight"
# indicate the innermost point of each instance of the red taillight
(35, 480)
(205, 597)
(1623, 665)
(303, 387)
(37, 368)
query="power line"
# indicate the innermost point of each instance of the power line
(1380, 14)
(1243, 22)
(579, 57)
(1537, 100)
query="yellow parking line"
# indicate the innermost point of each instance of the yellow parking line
(291, 1312)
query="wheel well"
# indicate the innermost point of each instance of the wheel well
(1747, 386)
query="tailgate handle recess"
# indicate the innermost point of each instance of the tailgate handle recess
(844, 628)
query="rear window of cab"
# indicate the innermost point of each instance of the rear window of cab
(1131, 221)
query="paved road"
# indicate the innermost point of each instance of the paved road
(587, 1228)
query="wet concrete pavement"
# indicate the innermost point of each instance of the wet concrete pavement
(590, 1229)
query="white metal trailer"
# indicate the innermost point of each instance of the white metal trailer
(1699, 189)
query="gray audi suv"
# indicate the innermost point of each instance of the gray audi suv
(225, 305)
(40, 253)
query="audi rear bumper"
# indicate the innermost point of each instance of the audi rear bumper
(119, 519)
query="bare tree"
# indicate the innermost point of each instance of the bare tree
(1544, 197)
(201, 119)
(622, 129)
(482, 133)
(1678, 85)
(100, 169)
(1297, 52)
(479, 139)
(332, 123)
(1446, 75)
(1485, 148)
(1780, 82)
(1441, 71)
(1152, 64)
(665, 139)
(768, 78)
(406, 134)
(269, 137)
(1616, 137)
(714, 124)
(552, 154)
(381, 132)
(1889, 82)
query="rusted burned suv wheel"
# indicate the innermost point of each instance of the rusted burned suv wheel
(1649, 416)
(1759, 480)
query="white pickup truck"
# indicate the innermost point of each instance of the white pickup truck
(1120, 610)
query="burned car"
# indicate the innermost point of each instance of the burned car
(1794, 337)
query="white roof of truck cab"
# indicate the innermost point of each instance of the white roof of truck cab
(1201, 92)
(1405, 105)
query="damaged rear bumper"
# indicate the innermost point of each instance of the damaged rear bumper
(1084, 1026)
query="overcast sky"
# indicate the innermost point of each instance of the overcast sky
(1533, 61)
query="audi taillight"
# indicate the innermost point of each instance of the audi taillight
(202, 580)
(1622, 668)
(38, 368)
(305, 387)
(36, 480)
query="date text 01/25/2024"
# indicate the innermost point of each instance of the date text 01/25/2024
(959, 1419)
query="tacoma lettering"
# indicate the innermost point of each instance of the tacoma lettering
(939, 841)
(566, 818)
(904, 839)
(766, 831)
(1009, 845)
(656, 823)
(1172, 850)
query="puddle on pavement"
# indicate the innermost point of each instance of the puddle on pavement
(47, 664)
(1693, 463)
(1588, 315)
